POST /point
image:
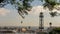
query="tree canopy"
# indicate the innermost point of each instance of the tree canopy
(24, 6)
(51, 4)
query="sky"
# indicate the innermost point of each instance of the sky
(9, 16)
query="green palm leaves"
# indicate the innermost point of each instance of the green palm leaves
(51, 4)
(53, 14)
(23, 6)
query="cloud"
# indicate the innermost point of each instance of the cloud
(36, 10)
(4, 11)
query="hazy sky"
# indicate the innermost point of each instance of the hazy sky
(10, 17)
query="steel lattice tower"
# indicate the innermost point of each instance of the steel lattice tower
(41, 26)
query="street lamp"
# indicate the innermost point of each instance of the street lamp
(50, 24)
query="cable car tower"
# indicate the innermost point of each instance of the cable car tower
(41, 26)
